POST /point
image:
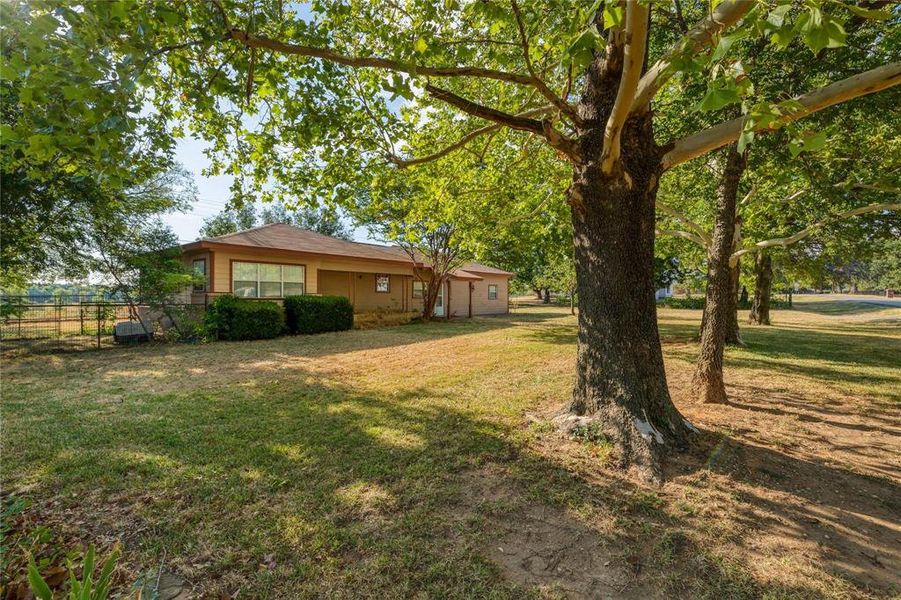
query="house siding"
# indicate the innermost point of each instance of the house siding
(481, 305)
(354, 279)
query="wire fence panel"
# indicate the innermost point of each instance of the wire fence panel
(41, 326)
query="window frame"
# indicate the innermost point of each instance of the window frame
(387, 289)
(490, 286)
(421, 289)
(203, 286)
(259, 281)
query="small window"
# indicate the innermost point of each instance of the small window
(199, 267)
(492, 291)
(382, 284)
(418, 288)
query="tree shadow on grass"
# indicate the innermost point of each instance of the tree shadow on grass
(318, 489)
(851, 517)
(838, 307)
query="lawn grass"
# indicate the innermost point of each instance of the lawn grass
(419, 461)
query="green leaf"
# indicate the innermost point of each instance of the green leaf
(820, 30)
(37, 584)
(722, 48)
(420, 46)
(581, 51)
(613, 14)
(776, 17)
(808, 143)
(869, 13)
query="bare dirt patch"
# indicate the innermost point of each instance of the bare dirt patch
(538, 545)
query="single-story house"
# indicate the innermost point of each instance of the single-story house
(278, 260)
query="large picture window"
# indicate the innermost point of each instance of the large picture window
(199, 267)
(266, 280)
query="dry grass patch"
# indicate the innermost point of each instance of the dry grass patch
(418, 461)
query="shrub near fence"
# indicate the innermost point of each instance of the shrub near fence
(230, 318)
(318, 314)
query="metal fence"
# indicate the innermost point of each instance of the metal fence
(64, 323)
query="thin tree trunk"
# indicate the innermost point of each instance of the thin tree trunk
(572, 302)
(620, 379)
(763, 287)
(733, 333)
(547, 296)
(719, 307)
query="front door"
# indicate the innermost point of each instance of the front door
(439, 302)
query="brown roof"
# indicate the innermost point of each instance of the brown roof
(279, 236)
(461, 274)
(474, 267)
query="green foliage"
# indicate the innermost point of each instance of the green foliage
(85, 589)
(697, 303)
(321, 220)
(885, 268)
(673, 302)
(231, 318)
(318, 314)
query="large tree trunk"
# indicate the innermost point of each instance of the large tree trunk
(547, 296)
(720, 303)
(620, 379)
(763, 287)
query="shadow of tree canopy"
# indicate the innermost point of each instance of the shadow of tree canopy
(300, 485)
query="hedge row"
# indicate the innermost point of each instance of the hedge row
(317, 314)
(698, 303)
(231, 318)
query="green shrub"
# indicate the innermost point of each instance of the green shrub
(671, 302)
(698, 303)
(231, 318)
(317, 314)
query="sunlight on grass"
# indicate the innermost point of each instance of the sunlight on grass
(398, 460)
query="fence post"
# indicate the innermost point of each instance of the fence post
(98, 326)
(81, 318)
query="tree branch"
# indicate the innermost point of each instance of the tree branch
(726, 14)
(697, 229)
(633, 60)
(253, 41)
(540, 128)
(400, 162)
(682, 234)
(797, 237)
(539, 84)
(718, 136)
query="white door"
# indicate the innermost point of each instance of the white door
(439, 302)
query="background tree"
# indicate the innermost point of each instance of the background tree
(321, 220)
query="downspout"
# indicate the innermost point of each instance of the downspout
(471, 286)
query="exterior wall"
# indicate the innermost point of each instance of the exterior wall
(336, 283)
(365, 298)
(459, 298)
(189, 296)
(481, 305)
(355, 279)
(313, 263)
